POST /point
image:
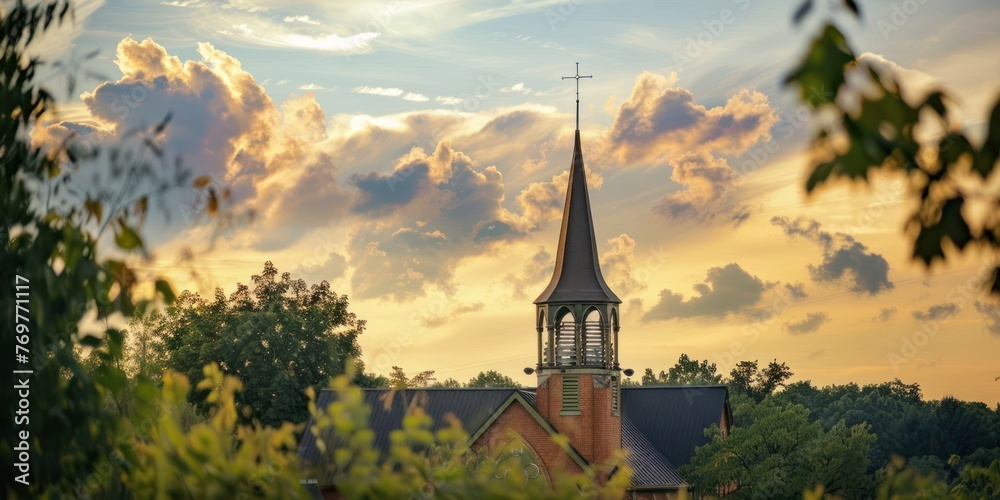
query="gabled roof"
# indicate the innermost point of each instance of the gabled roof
(475, 408)
(661, 425)
(577, 275)
(674, 418)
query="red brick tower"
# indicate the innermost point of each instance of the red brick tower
(577, 323)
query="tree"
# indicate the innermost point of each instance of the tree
(399, 380)
(779, 455)
(448, 383)
(880, 131)
(748, 379)
(279, 338)
(686, 371)
(492, 378)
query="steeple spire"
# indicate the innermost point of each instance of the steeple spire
(577, 76)
(577, 276)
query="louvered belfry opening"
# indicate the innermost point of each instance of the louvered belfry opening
(565, 344)
(593, 339)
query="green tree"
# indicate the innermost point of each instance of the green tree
(780, 453)
(447, 383)
(399, 380)
(749, 379)
(492, 378)
(881, 132)
(686, 371)
(279, 338)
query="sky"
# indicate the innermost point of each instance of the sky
(414, 154)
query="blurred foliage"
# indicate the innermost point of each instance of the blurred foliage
(428, 464)
(866, 124)
(279, 338)
(72, 433)
(214, 459)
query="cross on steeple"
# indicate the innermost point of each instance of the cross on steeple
(577, 77)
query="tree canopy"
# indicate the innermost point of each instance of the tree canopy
(279, 338)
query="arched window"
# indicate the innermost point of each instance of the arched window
(565, 348)
(593, 339)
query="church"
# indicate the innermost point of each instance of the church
(579, 392)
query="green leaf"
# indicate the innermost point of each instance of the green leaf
(163, 287)
(94, 209)
(127, 239)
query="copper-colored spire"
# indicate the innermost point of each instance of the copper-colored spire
(577, 277)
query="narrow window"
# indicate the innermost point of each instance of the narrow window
(615, 395)
(570, 396)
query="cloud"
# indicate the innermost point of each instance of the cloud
(618, 266)
(796, 291)
(937, 312)
(330, 269)
(391, 92)
(434, 321)
(225, 126)
(536, 270)
(845, 260)
(517, 87)
(707, 192)
(918, 83)
(300, 19)
(660, 119)
(725, 290)
(991, 313)
(809, 324)
(449, 100)
(312, 86)
(884, 315)
(415, 97)
(433, 211)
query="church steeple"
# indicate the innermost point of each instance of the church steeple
(577, 313)
(576, 317)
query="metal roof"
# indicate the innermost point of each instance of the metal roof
(661, 425)
(674, 418)
(472, 407)
(577, 275)
(649, 466)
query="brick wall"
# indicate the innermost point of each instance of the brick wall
(595, 433)
(516, 418)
